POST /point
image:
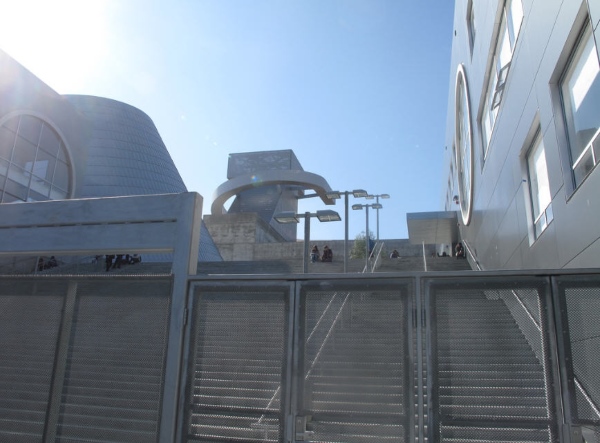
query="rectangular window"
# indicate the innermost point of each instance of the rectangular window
(471, 25)
(508, 31)
(539, 187)
(580, 90)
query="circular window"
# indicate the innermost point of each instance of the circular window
(464, 145)
(34, 165)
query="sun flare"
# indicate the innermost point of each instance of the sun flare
(62, 42)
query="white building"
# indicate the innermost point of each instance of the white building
(522, 139)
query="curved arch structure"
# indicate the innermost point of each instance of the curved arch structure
(303, 179)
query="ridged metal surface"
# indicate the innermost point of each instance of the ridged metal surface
(488, 383)
(355, 377)
(30, 317)
(236, 374)
(115, 363)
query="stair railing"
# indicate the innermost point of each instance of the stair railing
(377, 260)
(375, 254)
(470, 255)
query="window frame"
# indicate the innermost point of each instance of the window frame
(471, 28)
(507, 33)
(540, 217)
(591, 150)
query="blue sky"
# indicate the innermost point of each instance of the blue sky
(358, 89)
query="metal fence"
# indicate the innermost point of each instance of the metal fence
(426, 357)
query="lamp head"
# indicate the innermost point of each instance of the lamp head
(286, 217)
(333, 195)
(327, 215)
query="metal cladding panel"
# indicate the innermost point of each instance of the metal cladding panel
(580, 298)
(254, 162)
(126, 155)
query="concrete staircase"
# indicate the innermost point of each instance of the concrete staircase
(412, 264)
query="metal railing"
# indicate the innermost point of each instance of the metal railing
(507, 357)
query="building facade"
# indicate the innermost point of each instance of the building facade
(55, 147)
(522, 139)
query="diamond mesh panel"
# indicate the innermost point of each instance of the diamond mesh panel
(237, 370)
(583, 310)
(489, 383)
(355, 380)
(30, 316)
(116, 358)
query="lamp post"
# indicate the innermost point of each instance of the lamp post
(359, 207)
(334, 195)
(377, 196)
(325, 215)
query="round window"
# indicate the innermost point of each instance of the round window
(464, 145)
(34, 164)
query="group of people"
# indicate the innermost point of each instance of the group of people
(326, 257)
(46, 264)
(113, 261)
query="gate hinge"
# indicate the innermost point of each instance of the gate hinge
(302, 434)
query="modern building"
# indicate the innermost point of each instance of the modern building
(261, 184)
(522, 139)
(56, 147)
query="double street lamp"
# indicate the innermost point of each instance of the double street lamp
(376, 206)
(377, 196)
(326, 215)
(334, 195)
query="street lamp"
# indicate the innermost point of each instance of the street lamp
(326, 215)
(358, 207)
(371, 197)
(334, 195)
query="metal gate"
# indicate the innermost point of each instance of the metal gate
(326, 361)
(478, 357)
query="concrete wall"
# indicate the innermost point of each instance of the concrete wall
(237, 234)
(500, 231)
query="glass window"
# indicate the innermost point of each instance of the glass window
(49, 141)
(514, 18)
(30, 128)
(471, 25)
(508, 31)
(539, 186)
(7, 143)
(464, 146)
(580, 89)
(33, 161)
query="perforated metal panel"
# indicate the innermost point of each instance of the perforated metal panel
(580, 299)
(30, 315)
(489, 369)
(239, 354)
(355, 379)
(115, 362)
